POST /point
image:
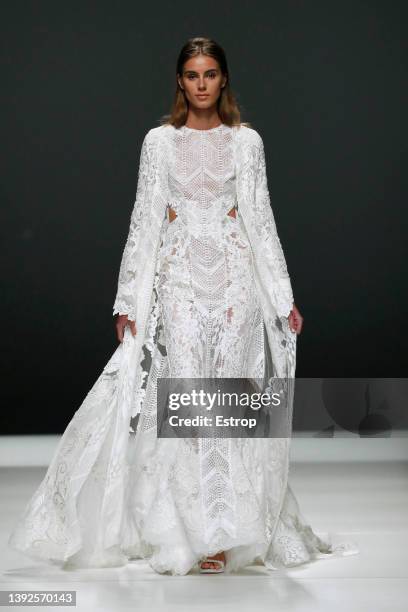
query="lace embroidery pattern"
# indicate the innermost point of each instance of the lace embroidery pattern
(115, 491)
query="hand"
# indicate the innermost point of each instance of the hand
(295, 320)
(121, 323)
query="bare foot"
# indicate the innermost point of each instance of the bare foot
(210, 565)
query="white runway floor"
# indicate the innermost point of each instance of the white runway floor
(366, 500)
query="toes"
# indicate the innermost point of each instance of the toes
(209, 565)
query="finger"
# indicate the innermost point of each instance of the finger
(133, 327)
(119, 330)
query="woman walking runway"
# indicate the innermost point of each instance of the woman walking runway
(203, 292)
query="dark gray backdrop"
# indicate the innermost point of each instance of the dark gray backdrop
(325, 85)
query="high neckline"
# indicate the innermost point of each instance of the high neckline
(217, 127)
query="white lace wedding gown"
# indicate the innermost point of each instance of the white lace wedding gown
(183, 498)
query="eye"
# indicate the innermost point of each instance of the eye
(212, 75)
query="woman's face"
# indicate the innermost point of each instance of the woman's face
(202, 77)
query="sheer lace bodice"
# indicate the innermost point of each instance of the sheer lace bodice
(202, 176)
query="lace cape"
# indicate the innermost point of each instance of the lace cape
(91, 463)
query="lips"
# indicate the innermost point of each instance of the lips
(202, 96)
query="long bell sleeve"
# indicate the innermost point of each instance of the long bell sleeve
(271, 248)
(125, 302)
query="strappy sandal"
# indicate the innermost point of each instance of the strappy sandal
(212, 570)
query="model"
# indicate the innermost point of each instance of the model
(203, 291)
